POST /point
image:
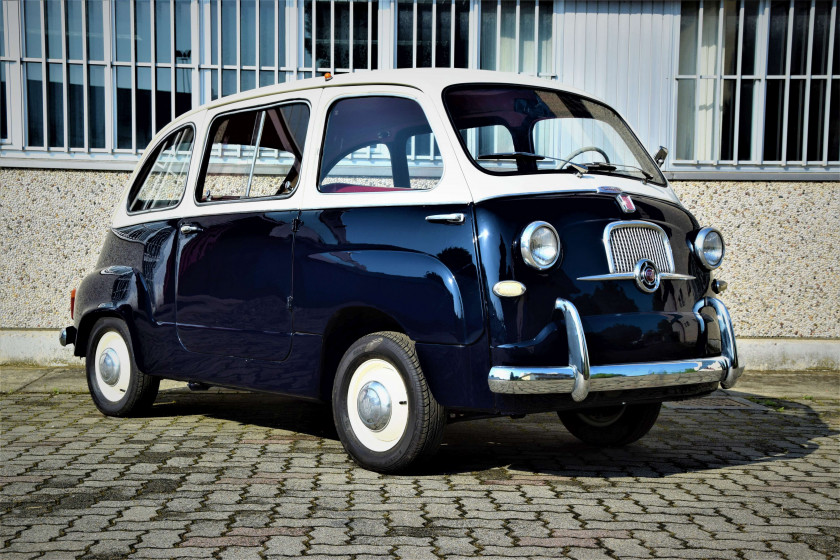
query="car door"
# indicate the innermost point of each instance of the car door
(234, 270)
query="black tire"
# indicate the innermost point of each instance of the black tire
(413, 428)
(133, 392)
(611, 426)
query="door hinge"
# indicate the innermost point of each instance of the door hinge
(289, 302)
(296, 223)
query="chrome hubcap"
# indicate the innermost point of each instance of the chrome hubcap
(109, 366)
(374, 405)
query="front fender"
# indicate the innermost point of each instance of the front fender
(422, 274)
(417, 290)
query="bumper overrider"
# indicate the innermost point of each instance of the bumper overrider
(579, 378)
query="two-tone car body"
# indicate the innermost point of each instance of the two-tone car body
(413, 247)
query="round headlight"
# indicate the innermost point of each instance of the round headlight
(709, 248)
(540, 245)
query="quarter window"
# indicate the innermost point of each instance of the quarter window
(254, 154)
(378, 143)
(162, 183)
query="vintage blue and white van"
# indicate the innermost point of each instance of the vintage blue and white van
(414, 247)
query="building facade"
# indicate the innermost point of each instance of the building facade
(745, 94)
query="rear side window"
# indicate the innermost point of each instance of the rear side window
(254, 154)
(378, 143)
(162, 181)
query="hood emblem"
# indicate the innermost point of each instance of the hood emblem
(647, 277)
(626, 203)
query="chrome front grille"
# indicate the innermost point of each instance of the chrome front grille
(629, 242)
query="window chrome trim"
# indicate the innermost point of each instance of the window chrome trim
(145, 170)
(669, 256)
(208, 145)
(327, 111)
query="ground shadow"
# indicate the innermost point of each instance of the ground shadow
(683, 440)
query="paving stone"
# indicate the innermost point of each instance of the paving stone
(741, 483)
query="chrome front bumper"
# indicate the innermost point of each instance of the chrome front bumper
(579, 378)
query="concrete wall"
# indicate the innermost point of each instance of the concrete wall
(783, 250)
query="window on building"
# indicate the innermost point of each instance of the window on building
(377, 144)
(339, 36)
(433, 33)
(757, 83)
(517, 37)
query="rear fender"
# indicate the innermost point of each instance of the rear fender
(113, 291)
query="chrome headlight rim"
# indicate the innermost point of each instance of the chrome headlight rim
(699, 247)
(525, 245)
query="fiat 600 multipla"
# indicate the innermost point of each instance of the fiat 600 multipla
(414, 247)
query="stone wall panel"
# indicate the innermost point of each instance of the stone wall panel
(783, 247)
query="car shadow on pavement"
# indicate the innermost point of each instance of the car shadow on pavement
(685, 438)
(259, 409)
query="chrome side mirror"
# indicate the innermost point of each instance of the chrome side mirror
(660, 155)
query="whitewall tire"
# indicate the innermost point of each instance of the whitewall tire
(117, 386)
(385, 414)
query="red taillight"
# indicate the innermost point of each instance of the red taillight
(72, 303)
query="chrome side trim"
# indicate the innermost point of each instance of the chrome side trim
(616, 377)
(116, 270)
(728, 347)
(446, 218)
(631, 276)
(578, 353)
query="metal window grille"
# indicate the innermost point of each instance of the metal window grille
(757, 84)
(102, 77)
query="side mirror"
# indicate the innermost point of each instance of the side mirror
(660, 155)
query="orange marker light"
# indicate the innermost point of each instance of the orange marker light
(72, 303)
(328, 76)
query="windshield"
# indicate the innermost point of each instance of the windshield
(520, 130)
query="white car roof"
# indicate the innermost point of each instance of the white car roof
(424, 79)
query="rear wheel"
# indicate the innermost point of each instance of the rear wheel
(117, 386)
(385, 415)
(611, 426)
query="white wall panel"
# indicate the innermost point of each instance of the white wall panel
(622, 52)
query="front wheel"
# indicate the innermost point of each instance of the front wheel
(117, 386)
(385, 414)
(611, 426)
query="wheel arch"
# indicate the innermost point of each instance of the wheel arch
(87, 322)
(344, 328)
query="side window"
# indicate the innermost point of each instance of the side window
(378, 143)
(254, 154)
(161, 184)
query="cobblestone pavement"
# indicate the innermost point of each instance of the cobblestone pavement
(234, 475)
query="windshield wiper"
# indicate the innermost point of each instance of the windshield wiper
(581, 169)
(610, 167)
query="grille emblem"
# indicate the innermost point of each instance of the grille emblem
(647, 277)
(626, 203)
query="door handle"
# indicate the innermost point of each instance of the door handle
(187, 229)
(446, 218)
